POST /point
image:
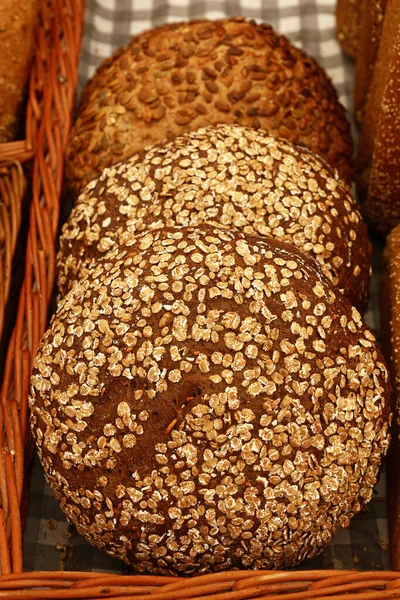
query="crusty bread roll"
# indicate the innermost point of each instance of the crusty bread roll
(236, 177)
(378, 158)
(181, 77)
(206, 400)
(371, 23)
(348, 19)
(17, 28)
(390, 326)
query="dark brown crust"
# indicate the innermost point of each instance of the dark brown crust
(181, 77)
(348, 15)
(17, 28)
(206, 400)
(371, 18)
(378, 160)
(390, 327)
(233, 176)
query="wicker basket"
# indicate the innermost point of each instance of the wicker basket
(51, 98)
(24, 150)
(12, 191)
(234, 585)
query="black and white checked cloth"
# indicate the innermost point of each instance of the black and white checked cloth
(310, 24)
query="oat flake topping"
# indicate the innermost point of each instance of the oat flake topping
(236, 177)
(205, 400)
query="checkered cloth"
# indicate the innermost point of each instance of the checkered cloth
(50, 543)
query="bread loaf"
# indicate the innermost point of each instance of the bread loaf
(17, 28)
(348, 18)
(181, 77)
(371, 23)
(233, 176)
(378, 157)
(206, 400)
(390, 326)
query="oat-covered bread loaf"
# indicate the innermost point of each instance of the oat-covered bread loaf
(181, 77)
(205, 400)
(17, 35)
(233, 176)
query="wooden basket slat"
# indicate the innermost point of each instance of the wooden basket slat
(15, 521)
(12, 193)
(19, 448)
(4, 554)
(236, 585)
(22, 396)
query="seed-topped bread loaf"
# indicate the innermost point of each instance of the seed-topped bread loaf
(181, 77)
(205, 399)
(233, 176)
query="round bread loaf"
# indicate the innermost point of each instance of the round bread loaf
(181, 77)
(237, 177)
(206, 400)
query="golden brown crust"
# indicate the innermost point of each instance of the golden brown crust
(371, 18)
(17, 28)
(390, 326)
(181, 77)
(378, 160)
(348, 15)
(236, 177)
(206, 400)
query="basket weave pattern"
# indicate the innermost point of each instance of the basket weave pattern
(12, 190)
(234, 585)
(51, 98)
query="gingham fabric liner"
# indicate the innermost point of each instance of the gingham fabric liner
(311, 25)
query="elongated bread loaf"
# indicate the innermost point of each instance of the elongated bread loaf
(371, 24)
(390, 325)
(378, 157)
(17, 27)
(348, 24)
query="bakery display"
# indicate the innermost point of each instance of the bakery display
(18, 23)
(348, 16)
(233, 176)
(205, 399)
(390, 325)
(181, 77)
